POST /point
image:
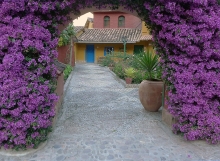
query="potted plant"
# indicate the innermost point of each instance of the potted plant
(129, 73)
(150, 90)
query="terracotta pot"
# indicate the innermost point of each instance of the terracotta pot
(128, 80)
(111, 68)
(150, 94)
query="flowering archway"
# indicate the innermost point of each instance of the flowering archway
(186, 35)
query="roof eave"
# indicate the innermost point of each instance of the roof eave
(146, 40)
(90, 42)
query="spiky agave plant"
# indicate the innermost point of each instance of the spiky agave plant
(149, 62)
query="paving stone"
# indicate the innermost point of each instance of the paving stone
(56, 146)
(110, 157)
(60, 158)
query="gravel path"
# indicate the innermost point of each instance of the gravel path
(101, 120)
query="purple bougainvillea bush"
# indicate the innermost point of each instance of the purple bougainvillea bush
(28, 40)
(187, 36)
(27, 75)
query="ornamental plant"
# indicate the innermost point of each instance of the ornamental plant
(66, 35)
(67, 71)
(189, 44)
(129, 72)
(186, 35)
(149, 62)
(27, 74)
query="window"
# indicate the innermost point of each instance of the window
(106, 21)
(108, 50)
(138, 49)
(121, 21)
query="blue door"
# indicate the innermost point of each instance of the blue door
(90, 56)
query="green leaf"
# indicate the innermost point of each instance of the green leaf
(150, 63)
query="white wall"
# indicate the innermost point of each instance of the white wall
(80, 21)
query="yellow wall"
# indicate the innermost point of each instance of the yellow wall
(99, 48)
(148, 45)
(79, 33)
(80, 49)
(90, 25)
(145, 30)
(80, 52)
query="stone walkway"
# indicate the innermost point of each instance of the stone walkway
(102, 120)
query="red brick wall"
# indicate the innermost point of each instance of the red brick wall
(59, 91)
(130, 20)
(62, 54)
(60, 85)
(62, 51)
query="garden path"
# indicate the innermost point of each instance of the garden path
(102, 120)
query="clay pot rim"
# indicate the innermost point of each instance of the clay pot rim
(153, 82)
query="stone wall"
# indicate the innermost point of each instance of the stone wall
(60, 92)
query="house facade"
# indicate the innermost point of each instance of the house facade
(116, 20)
(105, 33)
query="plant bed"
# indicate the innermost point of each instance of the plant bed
(124, 66)
(123, 81)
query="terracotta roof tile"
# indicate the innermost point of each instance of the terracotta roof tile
(146, 37)
(110, 35)
(78, 28)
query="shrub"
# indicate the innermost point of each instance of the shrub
(189, 52)
(27, 76)
(66, 35)
(129, 72)
(134, 63)
(108, 61)
(119, 70)
(138, 77)
(149, 63)
(67, 71)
